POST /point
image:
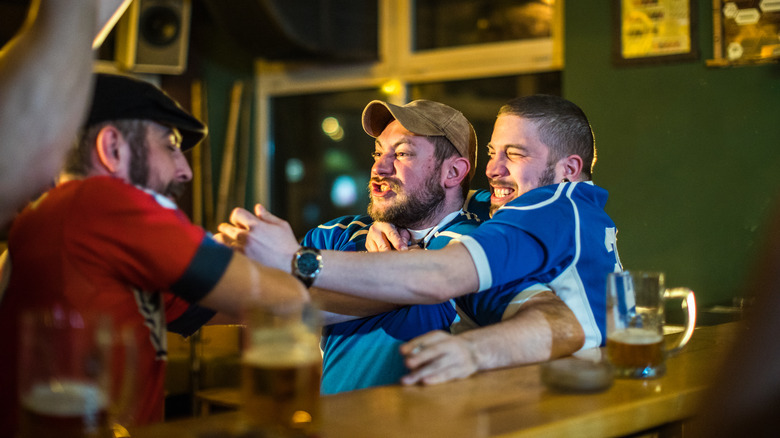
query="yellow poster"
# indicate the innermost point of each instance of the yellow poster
(655, 28)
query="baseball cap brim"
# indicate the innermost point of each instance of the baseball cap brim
(425, 117)
(378, 114)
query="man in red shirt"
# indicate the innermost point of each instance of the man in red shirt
(109, 239)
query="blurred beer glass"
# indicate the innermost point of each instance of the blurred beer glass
(282, 367)
(67, 387)
(635, 322)
(63, 375)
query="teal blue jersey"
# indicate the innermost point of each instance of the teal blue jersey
(365, 352)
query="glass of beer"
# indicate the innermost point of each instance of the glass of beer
(282, 368)
(635, 322)
(64, 378)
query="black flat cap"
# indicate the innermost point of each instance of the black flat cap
(119, 97)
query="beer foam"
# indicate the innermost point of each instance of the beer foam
(282, 355)
(278, 347)
(636, 336)
(64, 398)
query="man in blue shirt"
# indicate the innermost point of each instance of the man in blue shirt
(423, 161)
(532, 278)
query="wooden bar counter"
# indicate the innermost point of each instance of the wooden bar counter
(509, 402)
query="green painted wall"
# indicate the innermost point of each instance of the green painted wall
(690, 154)
(219, 61)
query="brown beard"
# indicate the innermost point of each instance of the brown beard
(139, 161)
(174, 190)
(139, 172)
(547, 178)
(414, 207)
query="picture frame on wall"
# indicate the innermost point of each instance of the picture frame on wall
(654, 31)
(745, 32)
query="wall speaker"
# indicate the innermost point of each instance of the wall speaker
(153, 36)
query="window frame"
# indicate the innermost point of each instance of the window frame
(397, 62)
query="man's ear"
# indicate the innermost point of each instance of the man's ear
(572, 167)
(107, 145)
(457, 168)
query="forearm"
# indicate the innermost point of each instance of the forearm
(245, 284)
(409, 277)
(544, 328)
(343, 307)
(45, 83)
(49, 62)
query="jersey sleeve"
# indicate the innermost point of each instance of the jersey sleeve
(508, 257)
(523, 240)
(342, 234)
(139, 238)
(555, 237)
(464, 224)
(184, 318)
(502, 255)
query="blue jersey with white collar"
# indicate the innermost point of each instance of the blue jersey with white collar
(554, 237)
(365, 352)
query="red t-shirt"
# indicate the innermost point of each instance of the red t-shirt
(100, 245)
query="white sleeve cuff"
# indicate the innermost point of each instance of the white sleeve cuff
(480, 260)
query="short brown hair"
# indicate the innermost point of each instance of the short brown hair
(563, 127)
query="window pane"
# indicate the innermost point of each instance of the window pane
(480, 99)
(451, 23)
(321, 157)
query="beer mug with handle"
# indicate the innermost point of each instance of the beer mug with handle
(635, 322)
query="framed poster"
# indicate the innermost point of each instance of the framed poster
(745, 32)
(653, 31)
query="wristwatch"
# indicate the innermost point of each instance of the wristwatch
(307, 264)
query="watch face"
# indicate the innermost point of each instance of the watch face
(308, 263)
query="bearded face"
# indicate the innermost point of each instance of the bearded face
(546, 178)
(411, 205)
(154, 164)
(519, 160)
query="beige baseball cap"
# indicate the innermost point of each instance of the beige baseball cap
(425, 117)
